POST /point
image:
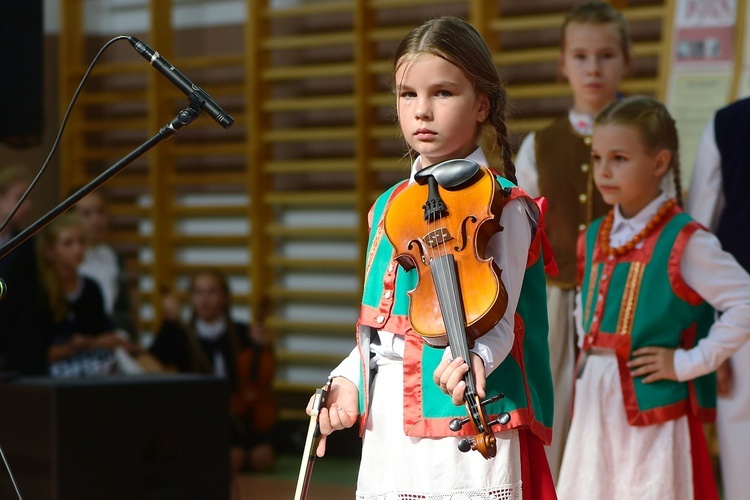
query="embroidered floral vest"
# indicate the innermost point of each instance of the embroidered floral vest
(641, 299)
(524, 377)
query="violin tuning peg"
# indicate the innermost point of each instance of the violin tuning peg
(493, 399)
(465, 445)
(501, 419)
(457, 423)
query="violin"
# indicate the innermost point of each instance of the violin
(254, 400)
(440, 225)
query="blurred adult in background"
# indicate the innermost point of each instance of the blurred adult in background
(212, 343)
(718, 199)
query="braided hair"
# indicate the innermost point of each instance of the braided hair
(458, 42)
(656, 126)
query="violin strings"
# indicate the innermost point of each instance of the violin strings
(453, 316)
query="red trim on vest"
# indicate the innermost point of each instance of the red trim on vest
(416, 425)
(620, 344)
(396, 324)
(636, 416)
(680, 288)
(541, 240)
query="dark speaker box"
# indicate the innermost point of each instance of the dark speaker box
(131, 437)
(22, 60)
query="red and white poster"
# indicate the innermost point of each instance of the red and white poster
(704, 33)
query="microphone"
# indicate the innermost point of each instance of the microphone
(182, 82)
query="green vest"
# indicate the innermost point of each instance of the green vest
(524, 377)
(640, 299)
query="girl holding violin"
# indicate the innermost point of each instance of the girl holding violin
(403, 387)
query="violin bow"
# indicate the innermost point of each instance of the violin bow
(311, 442)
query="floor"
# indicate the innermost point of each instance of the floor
(332, 478)
(270, 488)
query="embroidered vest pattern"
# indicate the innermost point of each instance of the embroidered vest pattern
(640, 299)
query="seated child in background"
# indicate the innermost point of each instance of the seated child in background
(212, 343)
(81, 336)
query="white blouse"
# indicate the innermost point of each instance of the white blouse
(706, 195)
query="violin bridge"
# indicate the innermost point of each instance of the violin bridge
(437, 237)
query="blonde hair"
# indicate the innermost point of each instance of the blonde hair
(48, 276)
(459, 43)
(598, 13)
(656, 126)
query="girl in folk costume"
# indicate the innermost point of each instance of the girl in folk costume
(403, 392)
(555, 162)
(651, 278)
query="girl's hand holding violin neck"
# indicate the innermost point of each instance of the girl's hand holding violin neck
(449, 376)
(653, 363)
(341, 411)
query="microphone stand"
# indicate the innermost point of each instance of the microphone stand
(183, 118)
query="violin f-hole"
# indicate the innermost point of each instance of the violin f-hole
(463, 233)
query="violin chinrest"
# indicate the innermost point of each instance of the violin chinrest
(449, 173)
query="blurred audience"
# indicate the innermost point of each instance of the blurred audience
(102, 264)
(82, 337)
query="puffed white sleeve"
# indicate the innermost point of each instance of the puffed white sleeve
(350, 367)
(510, 249)
(527, 171)
(705, 200)
(722, 282)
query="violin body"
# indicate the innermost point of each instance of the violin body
(253, 400)
(440, 225)
(473, 212)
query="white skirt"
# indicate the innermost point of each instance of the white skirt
(397, 467)
(606, 457)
